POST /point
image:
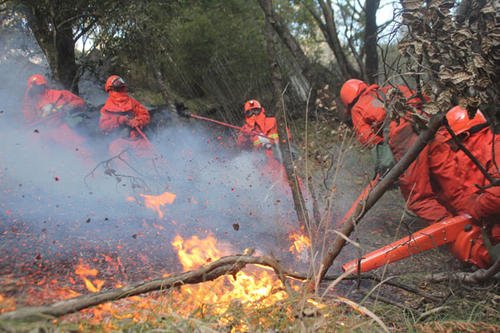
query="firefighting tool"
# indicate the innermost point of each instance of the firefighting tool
(464, 238)
(181, 111)
(141, 133)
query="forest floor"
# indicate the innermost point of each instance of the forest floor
(338, 169)
(457, 307)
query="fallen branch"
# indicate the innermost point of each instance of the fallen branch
(481, 275)
(229, 265)
(373, 196)
(225, 266)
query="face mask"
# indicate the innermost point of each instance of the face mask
(250, 120)
(36, 90)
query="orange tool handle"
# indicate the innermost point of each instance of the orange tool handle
(428, 238)
(238, 128)
(141, 133)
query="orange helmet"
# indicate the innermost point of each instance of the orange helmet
(37, 80)
(350, 90)
(252, 104)
(252, 107)
(114, 82)
(459, 121)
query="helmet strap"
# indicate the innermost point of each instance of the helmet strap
(355, 100)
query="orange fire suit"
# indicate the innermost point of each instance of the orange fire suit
(122, 113)
(368, 114)
(49, 110)
(444, 181)
(463, 185)
(268, 127)
(415, 183)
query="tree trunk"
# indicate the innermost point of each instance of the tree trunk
(371, 54)
(290, 42)
(65, 69)
(56, 41)
(293, 179)
(377, 192)
(329, 30)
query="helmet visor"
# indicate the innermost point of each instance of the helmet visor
(118, 84)
(37, 89)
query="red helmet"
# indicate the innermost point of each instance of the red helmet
(350, 90)
(252, 104)
(114, 82)
(37, 80)
(459, 121)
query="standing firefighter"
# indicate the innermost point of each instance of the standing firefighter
(56, 113)
(122, 118)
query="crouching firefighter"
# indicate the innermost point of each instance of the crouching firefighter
(261, 133)
(55, 114)
(445, 173)
(122, 119)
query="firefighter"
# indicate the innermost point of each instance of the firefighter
(389, 143)
(256, 122)
(122, 118)
(463, 185)
(57, 111)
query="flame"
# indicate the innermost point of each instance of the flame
(155, 202)
(7, 304)
(255, 288)
(301, 244)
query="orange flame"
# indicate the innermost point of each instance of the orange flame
(301, 244)
(7, 304)
(258, 286)
(155, 202)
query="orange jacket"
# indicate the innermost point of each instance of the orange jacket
(368, 114)
(416, 182)
(448, 180)
(50, 106)
(479, 203)
(120, 104)
(258, 124)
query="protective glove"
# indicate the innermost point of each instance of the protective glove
(48, 109)
(384, 159)
(134, 123)
(123, 120)
(264, 141)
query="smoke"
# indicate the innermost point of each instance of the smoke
(63, 202)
